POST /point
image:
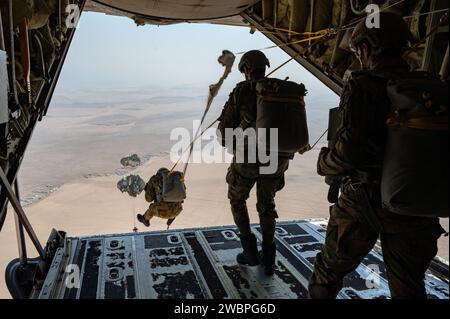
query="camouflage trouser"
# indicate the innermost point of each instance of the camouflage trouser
(163, 210)
(241, 178)
(408, 243)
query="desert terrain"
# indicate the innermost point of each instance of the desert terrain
(68, 179)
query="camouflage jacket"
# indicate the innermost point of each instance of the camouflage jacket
(239, 110)
(360, 141)
(153, 188)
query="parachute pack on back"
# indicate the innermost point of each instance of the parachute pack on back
(281, 105)
(173, 188)
(415, 170)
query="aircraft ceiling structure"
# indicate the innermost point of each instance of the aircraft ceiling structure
(167, 12)
(288, 22)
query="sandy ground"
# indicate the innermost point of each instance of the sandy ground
(77, 149)
(95, 206)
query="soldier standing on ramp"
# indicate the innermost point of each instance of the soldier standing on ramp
(241, 112)
(358, 218)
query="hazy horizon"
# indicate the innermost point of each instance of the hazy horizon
(123, 88)
(112, 52)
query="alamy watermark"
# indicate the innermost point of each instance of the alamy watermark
(373, 16)
(73, 277)
(73, 12)
(373, 278)
(245, 146)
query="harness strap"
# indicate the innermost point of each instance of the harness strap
(432, 123)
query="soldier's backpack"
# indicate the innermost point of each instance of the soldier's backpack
(173, 188)
(281, 105)
(415, 178)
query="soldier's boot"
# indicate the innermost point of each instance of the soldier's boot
(143, 220)
(249, 256)
(267, 257)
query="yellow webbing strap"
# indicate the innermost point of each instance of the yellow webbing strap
(316, 36)
(432, 123)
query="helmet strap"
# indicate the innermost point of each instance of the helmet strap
(246, 71)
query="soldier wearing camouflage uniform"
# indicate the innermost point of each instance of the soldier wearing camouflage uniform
(357, 220)
(159, 209)
(240, 111)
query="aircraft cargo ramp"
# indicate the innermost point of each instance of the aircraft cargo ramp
(201, 263)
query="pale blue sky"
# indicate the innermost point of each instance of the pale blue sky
(112, 52)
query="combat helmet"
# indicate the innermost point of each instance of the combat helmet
(253, 60)
(393, 34)
(163, 170)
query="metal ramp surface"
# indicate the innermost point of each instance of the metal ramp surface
(201, 263)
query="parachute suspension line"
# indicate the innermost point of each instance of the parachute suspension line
(283, 64)
(351, 25)
(319, 139)
(292, 33)
(329, 31)
(197, 136)
(317, 35)
(409, 51)
(295, 32)
(321, 37)
(426, 13)
(443, 20)
(191, 146)
(227, 60)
